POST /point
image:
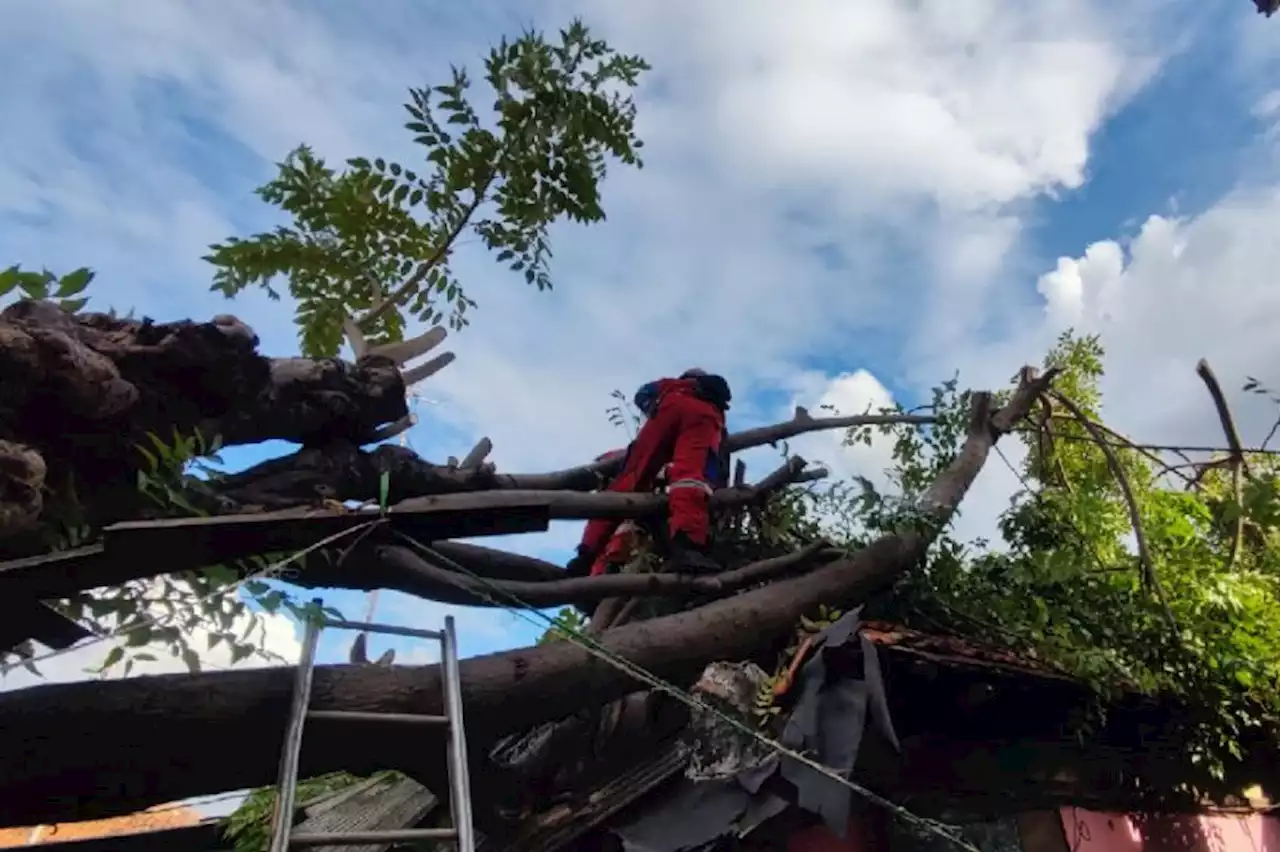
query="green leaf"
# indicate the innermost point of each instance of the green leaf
(192, 659)
(74, 283)
(114, 656)
(138, 636)
(9, 279)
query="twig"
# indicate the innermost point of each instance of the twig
(1047, 445)
(441, 251)
(1147, 449)
(789, 472)
(1151, 581)
(1239, 467)
(427, 369)
(478, 453)
(1270, 434)
(802, 422)
(406, 350)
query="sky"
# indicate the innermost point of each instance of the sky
(841, 204)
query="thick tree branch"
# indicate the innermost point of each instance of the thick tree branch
(170, 735)
(802, 423)
(1239, 466)
(435, 573)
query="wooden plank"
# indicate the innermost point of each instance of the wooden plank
(562, 824)
(54, 576)
(187, 543)
(328, 801)
(390, 804)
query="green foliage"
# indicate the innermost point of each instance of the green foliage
(1065, 585)
(45, 285)
(379, 230)
(568, 619)
(164, 611)
(249, 827)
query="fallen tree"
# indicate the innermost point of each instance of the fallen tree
(153, 719)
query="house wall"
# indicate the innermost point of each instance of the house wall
(1087, 831)
(1076, 830)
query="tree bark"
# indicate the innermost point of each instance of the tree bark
(422, 577)
(110, 747)
(107, 382)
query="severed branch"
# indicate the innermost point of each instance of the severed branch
(1239, 466)
(1125, 441)
(589, 476)
(575, 505)
(802, 423)
(424, 563)
(478, 454)
(1150, 580)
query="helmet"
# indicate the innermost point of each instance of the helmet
(693, 373)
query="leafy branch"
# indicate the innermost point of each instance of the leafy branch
(373, 243)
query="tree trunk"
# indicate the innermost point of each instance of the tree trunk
(112, 747)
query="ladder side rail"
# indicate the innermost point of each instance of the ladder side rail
(459, 780)
(287, 788)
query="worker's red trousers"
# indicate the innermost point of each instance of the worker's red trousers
(686, 432)
(621, 547)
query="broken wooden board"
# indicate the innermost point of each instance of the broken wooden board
(383, 804)
(186, 543)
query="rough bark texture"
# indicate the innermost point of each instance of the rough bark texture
(83, 389)
(86, 750)
(170, 736)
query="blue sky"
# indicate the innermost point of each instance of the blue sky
(842, 204)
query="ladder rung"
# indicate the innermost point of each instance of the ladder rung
(387, 629)
(357, 716)
(368, 838)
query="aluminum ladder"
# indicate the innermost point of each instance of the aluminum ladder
(283, 836)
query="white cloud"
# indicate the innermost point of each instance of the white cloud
(858, 392)
(1178, 290)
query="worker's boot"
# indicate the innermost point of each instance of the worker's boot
(690, 558)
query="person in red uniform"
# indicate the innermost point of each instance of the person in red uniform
(622, 543)
(685, 428)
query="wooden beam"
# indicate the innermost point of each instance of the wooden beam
(187, 543)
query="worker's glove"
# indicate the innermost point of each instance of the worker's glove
(580, 564)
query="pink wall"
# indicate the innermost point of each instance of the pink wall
(1095, 832)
